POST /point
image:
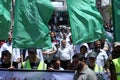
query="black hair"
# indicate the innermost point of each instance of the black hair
(5, 52)
(83, 46)
(32, 50)
(79, 56)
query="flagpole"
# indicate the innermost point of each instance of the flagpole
(11, 28)
(113, 18)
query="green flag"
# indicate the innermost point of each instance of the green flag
(31, 24)
(116, 19)
(85, 21)
(4, 19)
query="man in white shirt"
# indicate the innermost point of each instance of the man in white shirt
(64, 53)
(101, 54)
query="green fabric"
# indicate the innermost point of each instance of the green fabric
(26, 65)
(85, 21)
(31, 24)
(116, 19)
(4, 19)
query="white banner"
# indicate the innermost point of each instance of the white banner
(35, 75)
(6, 74)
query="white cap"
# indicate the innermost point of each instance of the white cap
(116, 44)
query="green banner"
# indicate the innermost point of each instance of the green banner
(85, 21)
(31, 24)
(4, 19)
(116, 19)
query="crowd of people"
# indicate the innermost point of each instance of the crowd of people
(85, 58)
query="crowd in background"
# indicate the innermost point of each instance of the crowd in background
(62, 56)
(97, 56)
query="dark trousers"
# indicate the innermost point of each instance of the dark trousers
(64, 63)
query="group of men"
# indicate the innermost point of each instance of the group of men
(86, 59)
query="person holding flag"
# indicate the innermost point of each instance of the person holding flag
(33, 62)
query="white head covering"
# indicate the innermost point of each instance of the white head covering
(116, 44)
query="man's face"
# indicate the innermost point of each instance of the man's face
(77, 64)
(83, 51)
(10, 39)
(97, 45)
(117, 49)
(91, 61)
(7, 57)
(52, 35)
(32, 55)
(63, 43)
(57, 64)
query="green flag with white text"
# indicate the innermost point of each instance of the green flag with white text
(116, 19)
(4, 19)
(31, 24)
(85, 21)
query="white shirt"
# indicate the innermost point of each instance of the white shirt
(100, 58)
(16, 54)
(64, 53)
(105, 2)
(102, 55)
(6, 46)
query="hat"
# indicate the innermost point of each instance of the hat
(92, 54)
(116, 44)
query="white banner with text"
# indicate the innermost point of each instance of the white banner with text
(6, 74)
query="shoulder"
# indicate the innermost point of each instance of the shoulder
(91, 75)
(90, 71)
(4, 45)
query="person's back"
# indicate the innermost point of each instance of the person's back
(83, 72)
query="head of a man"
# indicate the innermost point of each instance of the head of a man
(57, 63)
(32, 54)
(116, 49)
(78, 62)
(91, 59)
(63, 43)
(6, 57)
(97, 46)
(83, 49)
(9, 39)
